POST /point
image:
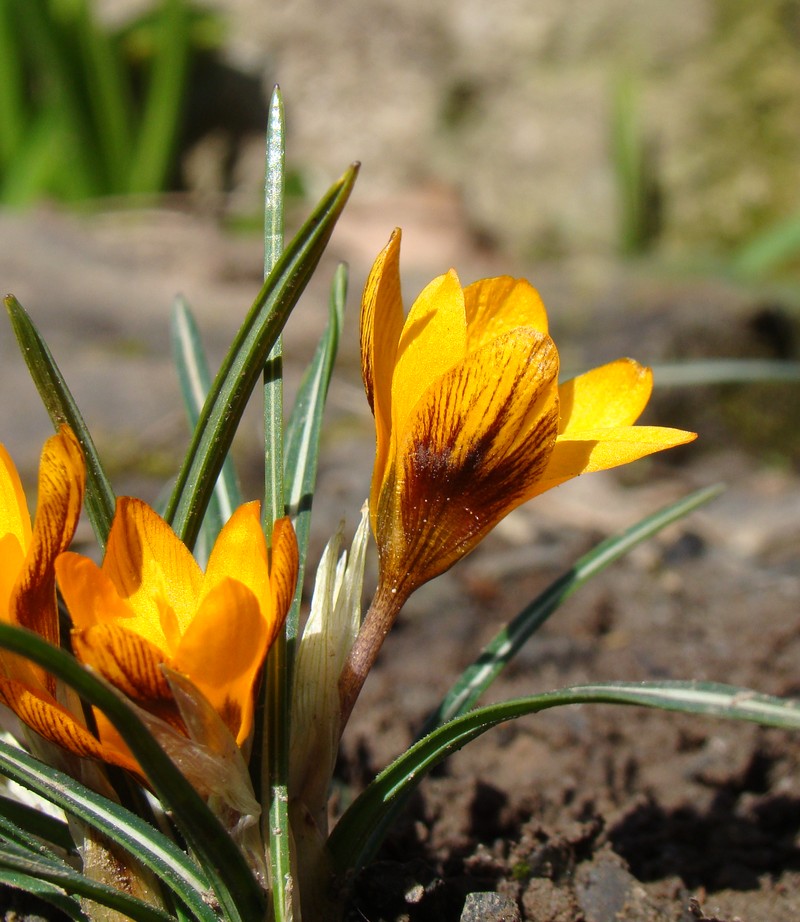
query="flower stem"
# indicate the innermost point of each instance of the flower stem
(377, 623)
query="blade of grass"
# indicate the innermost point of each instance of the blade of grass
(305, 429)
(768, 251)
(36, 823)
(354, 830)
(109, 97)
(274, 731)
(243, 365)
(51, 42)
(158, 131)
(19, 860)
(47, 892)
(496, 655)
(235, 886)
(13, 105)
(274, 183)
(39, 161)
(61, 407)
(724, 371)
(153, 849)
(195, 381)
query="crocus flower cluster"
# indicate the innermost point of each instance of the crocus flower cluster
(147, 610)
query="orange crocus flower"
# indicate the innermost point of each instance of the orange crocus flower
(28, 591)
(471, 422)
(150, 605)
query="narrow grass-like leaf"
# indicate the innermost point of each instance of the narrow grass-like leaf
(354, 830)
(158, 131)
(496, 655)
(724, 371)
(109, 97)
(48, 892)
(243, 365)
(195, 381)
(305, 428)
(50, 43)
(13, 115)
(15, 858)
(236, 888)
(768, 251)
(274, 731)
(149, 846)
(39, 161)
(61, 407)
(36, 823)
(274, 183)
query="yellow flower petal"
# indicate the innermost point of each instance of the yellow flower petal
(495, 306)
(14, 516)
(379, 338)
(283, 575)
(130, 662)
(240, 551)
(60, 497)
(433, 340)
(152, 569)
(90, 595)
(53, 722)
(11, 560)
(601, 449)
(612, 395)
(470, 452)
(222, 651)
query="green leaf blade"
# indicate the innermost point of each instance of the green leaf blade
(236, 888)
(243, 365)
(195, 383)
(62, 408)
(350, 840)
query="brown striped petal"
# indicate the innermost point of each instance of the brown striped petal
(473, 447)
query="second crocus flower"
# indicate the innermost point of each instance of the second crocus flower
(471, 422)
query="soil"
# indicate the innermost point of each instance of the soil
(597, 813)
(581, 814)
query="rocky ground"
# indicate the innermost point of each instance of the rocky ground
(592, 813)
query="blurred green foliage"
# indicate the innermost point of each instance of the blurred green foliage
(89, 111)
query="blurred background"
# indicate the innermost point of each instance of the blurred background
(638, 160)
(589, 125)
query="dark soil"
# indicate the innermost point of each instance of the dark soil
(597, 813)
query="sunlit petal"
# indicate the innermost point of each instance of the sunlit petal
(11, 559)
(222, 651)
(53, 722)
(240, 551)
(90, 595)
(60, 497)
(150, 566)
(433, 340)
(495, 306)
(131, 663)
(283, 575)
(601, 449)
(471, 451)
(14, 516)
(611, 395)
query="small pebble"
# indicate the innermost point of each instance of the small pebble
(489, 907)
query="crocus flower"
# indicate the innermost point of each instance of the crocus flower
(471, 422)
(150, 605)
(28, 590)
